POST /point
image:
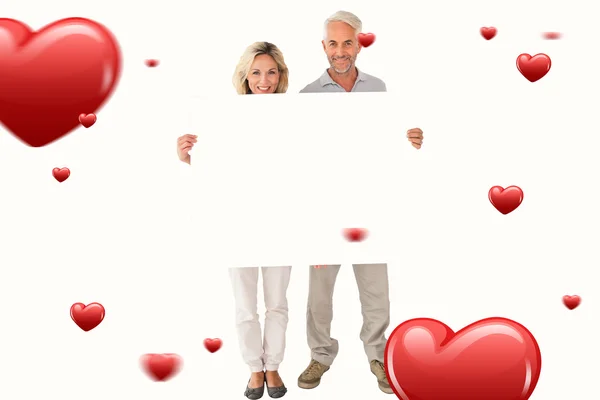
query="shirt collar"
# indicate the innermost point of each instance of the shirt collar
(326, 79)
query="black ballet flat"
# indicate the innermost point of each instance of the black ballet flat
(255, 393)
(275, 392)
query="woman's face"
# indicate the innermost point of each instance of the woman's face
(263, 76)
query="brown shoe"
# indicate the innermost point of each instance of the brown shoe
(378, 370)
(311, 377)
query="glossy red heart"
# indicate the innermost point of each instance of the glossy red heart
(534, 68)
(571, 302)
(366, 39)
(51, 76)
(491, 359)
(161, 367)
(355, 234)
(213, 345)
(87, 120)
(61, 175)
(488, 32)
(151, 63)
(87, 317)
(506, 200)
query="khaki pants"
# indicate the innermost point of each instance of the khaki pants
(257, 352)
(372, 281)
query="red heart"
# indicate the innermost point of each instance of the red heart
(506, 200)
(87, 120)
(488, 33)
(49, 77)
(213, 345)
(87, 317)
(572, 302)
(366, 39)
(151, 63)
(161, 367)
(533, 68)
(552, 35)
(61, 175)
(491, 359)
(355, 234)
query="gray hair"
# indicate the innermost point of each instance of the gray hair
(344, 16)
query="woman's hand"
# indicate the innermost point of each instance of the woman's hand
(184, 145)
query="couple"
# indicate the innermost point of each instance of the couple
(262, 70)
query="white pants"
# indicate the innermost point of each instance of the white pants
(261, 354)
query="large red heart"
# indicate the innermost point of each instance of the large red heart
(534, 68)
(87, 317)
(492, 359)
(161, 367)
(52, 76)
(506, 200)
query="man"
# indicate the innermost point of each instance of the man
(341, 45)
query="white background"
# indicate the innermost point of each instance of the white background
(119, 231)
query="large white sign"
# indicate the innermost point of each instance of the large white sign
(283, 175)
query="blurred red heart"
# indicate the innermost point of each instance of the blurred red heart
(213, 345)
(488, 32)
(491, 359)
(355, 234)
(161, 367)
(86, 317)
(552, 35)
(366, 39)
(151, 63)
(572, 302)
(49, 77)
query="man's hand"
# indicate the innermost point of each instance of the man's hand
(415, 137)
(184, 145)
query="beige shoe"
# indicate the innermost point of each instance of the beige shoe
(378, 370)
(311, 377)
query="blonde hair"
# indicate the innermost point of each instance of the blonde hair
(240, 76)
(346, 17)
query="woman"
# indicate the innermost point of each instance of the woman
(261, 70)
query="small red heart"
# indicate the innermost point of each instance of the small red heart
(355, 234)
(552, 35)
(61, 174)
(151, 63)
(572, 302)
(534, 68)
(48, 77)
(488, 32)
(506, 200)
(366, 39)
(87, 317)
(161, 367)
(213, 345)
(491, 359)
(87, 120)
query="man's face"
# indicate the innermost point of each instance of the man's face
(341, 46)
